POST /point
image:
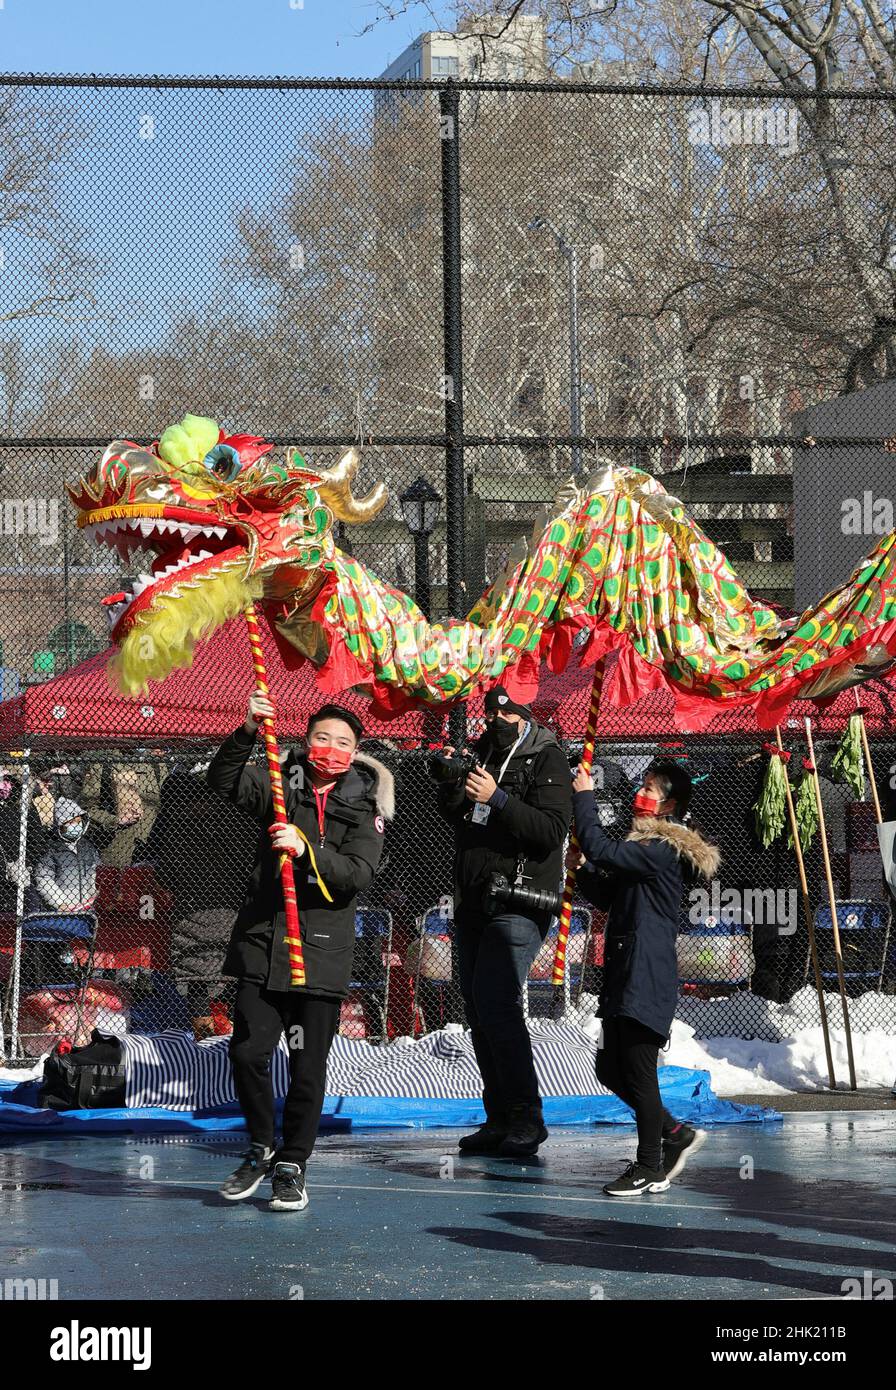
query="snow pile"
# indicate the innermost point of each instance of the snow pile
(715, 1034)
(746, 1015)
(740, 1066)
(13, 1075)
(719, 1036)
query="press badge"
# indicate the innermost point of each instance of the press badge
(480, 813)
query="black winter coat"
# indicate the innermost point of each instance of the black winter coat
(640, 881)
(532, 825)
(347, 856)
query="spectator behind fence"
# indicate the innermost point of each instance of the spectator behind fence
(10, 830)
(202, 849)
(122, 799)
(65, 875)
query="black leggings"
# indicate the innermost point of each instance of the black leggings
(626, 1064)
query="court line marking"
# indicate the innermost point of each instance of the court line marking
(451, 1187)
(551, 1197)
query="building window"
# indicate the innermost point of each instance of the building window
(444, 67)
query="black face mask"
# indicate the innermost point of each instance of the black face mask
(502, 733)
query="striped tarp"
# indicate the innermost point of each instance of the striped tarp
(172, 1071)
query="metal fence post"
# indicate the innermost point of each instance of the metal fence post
(452, 379)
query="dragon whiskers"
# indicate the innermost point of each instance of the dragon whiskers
(164, 636)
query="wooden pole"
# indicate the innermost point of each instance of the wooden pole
(868, 763)
(287, 878)
(832, 899)
(570, 884)
(810, 925)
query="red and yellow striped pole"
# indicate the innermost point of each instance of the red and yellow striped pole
(569, 887)
(293, 936)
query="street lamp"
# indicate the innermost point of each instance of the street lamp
(420, 506)
(571, 255)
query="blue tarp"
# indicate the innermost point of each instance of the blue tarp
(686, 1093)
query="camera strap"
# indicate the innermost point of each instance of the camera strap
(524, 731)
(482, 809)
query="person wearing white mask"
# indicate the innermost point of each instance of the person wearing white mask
(65, 875)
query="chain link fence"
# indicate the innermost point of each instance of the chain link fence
(492, 286)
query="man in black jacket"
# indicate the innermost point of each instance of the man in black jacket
(339, 799)
(640, 881)
(511, 817)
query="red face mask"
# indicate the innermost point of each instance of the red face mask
(329, 760)
(644, 805)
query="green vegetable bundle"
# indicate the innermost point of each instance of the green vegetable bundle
(806, 810)
(848, 764)
(771, 808)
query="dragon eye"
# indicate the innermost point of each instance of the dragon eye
(224, 461)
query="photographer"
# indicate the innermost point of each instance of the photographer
(641, 881)
(510, 803)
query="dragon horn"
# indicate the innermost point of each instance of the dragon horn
(335, 490)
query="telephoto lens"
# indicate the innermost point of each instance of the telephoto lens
(501, 893)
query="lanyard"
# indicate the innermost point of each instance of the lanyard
(525, 731)
(321, 798)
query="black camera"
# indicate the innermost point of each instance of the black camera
(452, 767)
(501, 893)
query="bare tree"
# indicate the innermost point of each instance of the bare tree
(814, 50)
(46, 273)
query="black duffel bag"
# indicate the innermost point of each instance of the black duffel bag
(86, 1078)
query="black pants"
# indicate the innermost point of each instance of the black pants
(310, 1022)
(494, 957)
(626, 1064)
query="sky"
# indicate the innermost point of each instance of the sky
(257, 38)
(134, 201)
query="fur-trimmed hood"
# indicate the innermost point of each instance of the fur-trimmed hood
(383, 783)
(703, 857)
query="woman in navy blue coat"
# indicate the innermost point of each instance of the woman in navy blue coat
(640, 881)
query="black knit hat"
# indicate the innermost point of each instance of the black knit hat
(498, 701)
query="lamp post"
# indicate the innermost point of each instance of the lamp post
(420, 506)
(571, 256)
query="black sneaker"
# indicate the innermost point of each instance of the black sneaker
(525, 1132)
(290, 1193)
(678, 1148)
(485, 1140)
(249, 1176)
(636, 1181)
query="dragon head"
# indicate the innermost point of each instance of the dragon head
(222, 522)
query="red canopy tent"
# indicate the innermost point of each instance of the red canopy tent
(207, 701)
(203, 703)
(563, 701)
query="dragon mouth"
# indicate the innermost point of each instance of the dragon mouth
(183, 548)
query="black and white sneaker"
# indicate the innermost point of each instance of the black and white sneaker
(680, 1147)
(290, 1193)
(636, 1181)
(249, 1176)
